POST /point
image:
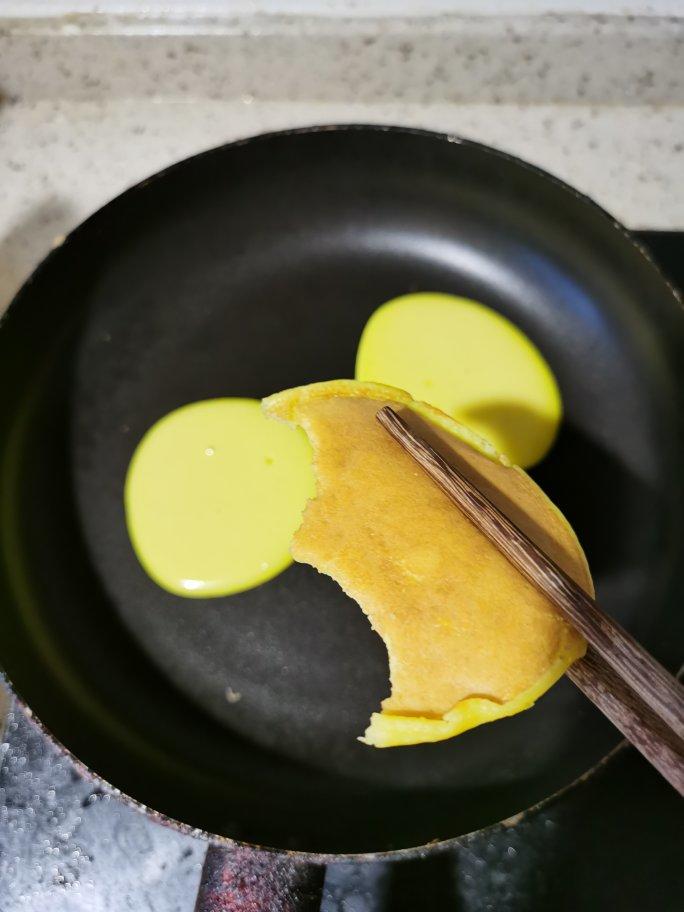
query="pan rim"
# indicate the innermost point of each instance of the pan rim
(314, 858)
(352, 127)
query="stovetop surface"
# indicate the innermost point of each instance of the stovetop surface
(614, 841)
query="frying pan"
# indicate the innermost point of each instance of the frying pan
(245, 270)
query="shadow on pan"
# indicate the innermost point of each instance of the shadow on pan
(246, 270)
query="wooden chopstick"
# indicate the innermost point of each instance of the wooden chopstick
(643, 700)
(630, 715)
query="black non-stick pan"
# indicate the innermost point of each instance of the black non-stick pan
(252, 268)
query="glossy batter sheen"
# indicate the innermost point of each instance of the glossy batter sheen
(468, 638)
(213, 495)
(470, 362)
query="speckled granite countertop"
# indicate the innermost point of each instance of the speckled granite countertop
(89, 106)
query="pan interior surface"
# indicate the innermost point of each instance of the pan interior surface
(244, 271)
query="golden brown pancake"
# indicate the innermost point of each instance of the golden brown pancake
(468, 638)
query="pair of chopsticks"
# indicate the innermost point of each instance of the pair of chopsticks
(643, 700)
